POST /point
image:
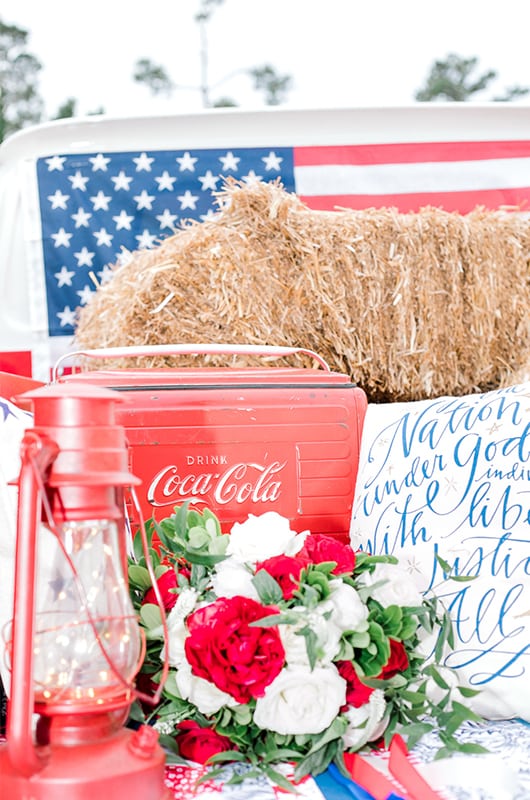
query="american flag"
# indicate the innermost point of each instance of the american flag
(96, 208)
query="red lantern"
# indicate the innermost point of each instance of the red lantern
(75, 645)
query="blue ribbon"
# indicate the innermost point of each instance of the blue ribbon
(335, 786)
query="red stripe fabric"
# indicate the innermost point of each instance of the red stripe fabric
(462, 202)
(17, 362)
(409, 152)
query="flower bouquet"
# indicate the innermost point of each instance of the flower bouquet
(285, 646)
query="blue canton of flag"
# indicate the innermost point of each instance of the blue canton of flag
(97, 208)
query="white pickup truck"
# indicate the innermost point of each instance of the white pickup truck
(78, 195)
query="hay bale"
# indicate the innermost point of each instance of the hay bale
(409, 305)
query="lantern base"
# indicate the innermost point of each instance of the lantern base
(123, 767)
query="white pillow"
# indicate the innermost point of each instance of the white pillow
(451, 476)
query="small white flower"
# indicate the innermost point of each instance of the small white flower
(327, 633)
(205, 695)
(176, 627)
(294, 645)
(348, 612)
(301, 701)
(365, 723)
(262, 537)
(231, 578)
(396, 589)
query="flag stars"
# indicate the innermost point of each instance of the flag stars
(105, 275)
(84, 257)
(124, 257)
(145, 240)
(78, 181)
(58, 199)
(81, 218)
(66, 317)
(121, 181)
(103, 238)
(186, 162)
(61, 238)
(100, 201)
(99, 162)
(165, 181)
(123, 221)
(64, 277)
(229, 162)
(166, 219)
(144, 200)
(187, 200)
(85, 295)
(272, 161)
(143, 163)
(251, 178)
(56, 163)
(209, 181)
(210, 214)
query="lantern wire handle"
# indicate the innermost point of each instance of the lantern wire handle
(152, 699)
(79, 586)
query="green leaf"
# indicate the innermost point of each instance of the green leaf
(278, 779)
(268, 589)
(359, 640)
(227, 755)
(466, 691)
(469, 747)
(437, 678)
(317, 761)
(311, 641)
(150, 616)
(414, 732)
(203, 559)
(139, 576)
(446, 567)
(335, 731)
(198, 537)
(136, 713)
(180, 519)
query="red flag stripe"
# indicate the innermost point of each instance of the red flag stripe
(410, 152)
(462, 202)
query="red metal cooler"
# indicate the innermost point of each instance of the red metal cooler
(239, 440)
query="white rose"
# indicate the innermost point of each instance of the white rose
(327, 633)
(300, 700)
(262, 537)
(177, 631)
(205, 695)
(348, 612)
(398, 588)
(231, 578)
(327, 637)
(294, 645)
(365, 723)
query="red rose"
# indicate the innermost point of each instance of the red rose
(318, 548)
(286, 571)
(224, 649)
(398, 661)
(357, 694)
(166, 582)
(199, 744)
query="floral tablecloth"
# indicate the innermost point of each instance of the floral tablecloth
(503, 774)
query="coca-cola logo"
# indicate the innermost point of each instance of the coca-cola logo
(239, 483)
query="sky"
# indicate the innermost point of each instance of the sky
(339, 53)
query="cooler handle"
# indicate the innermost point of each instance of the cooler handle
(189, 349)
